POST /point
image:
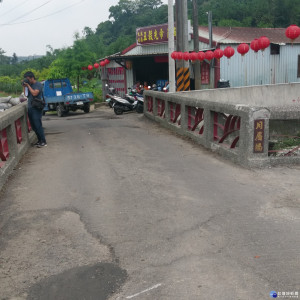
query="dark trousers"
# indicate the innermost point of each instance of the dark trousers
(35, 118)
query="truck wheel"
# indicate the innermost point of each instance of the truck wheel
(60, 110)
(86, 108)
(118, 110)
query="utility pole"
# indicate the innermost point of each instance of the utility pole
(182, 72)
(172, 85)
(197, 71)
(212, 69)
(210, 29)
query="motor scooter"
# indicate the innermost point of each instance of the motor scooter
(132, 101)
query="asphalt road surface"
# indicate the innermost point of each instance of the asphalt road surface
(118, 208)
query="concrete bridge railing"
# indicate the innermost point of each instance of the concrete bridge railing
(233, 122)
(16, 137)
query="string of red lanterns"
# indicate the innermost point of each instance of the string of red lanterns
(193, 56)
(96, 65)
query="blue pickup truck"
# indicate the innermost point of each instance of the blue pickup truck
(59, 96)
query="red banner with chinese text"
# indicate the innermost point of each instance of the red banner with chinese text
(155, 34)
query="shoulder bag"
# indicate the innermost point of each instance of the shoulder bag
(38, 103)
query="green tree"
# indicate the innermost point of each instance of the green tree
(3, 59)
(70, 62)
(14, 59)
(35, 72)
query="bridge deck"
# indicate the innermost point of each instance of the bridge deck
(147, 208)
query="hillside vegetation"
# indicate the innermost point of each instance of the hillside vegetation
(118, 33)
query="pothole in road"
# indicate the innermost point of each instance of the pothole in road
(88, 282)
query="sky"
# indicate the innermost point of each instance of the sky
(28, 26)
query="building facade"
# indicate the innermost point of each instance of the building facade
(147, 59)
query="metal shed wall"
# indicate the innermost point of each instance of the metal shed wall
(129, 78)
(262, 67)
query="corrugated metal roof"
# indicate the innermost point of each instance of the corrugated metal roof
(236, 35)
(149, 50)
(135, 50)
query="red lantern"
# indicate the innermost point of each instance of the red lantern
(218, 53)
(193, 56)
(90, 67)
(174, 54)
(292, 32)
(255, 45)
(229, 52)
(178, 55)
(201, 56)
(106, 61)
(243, 49)
(186, 56)
(96, 65)
(263, 43)
(209, 55)
(102, 64)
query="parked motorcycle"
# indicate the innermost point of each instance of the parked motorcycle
(133, 101)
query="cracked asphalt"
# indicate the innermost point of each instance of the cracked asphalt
(118, 208)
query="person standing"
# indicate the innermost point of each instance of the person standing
(35, 90)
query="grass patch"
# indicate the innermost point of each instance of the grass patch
(284, 143)
(5, 94)
(287, 143)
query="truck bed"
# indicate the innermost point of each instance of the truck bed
(71, 98)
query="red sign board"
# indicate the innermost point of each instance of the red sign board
(153, 34)
(205, 73)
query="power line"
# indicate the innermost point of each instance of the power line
(28, 13)
(43, 17)
(12, 9)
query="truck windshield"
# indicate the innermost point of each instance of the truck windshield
(57, 85)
